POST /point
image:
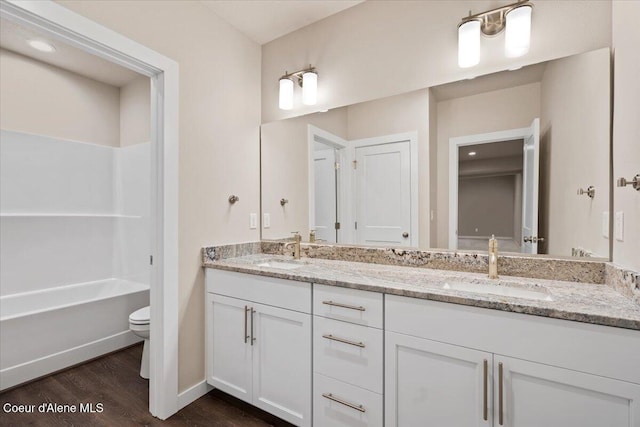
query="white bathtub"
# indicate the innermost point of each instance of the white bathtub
(45, 331)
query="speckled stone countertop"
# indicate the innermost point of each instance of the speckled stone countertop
(581, 302)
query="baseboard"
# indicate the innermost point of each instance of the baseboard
(18, 374)
(193, 393)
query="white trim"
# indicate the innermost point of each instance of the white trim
(315, 134)
(60, 23)
(460, 141)
(193, 393)
(50, 363)
(412, 137)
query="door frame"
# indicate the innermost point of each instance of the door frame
(315, 134)
(412, 137)
(62, 24)
(460, 141)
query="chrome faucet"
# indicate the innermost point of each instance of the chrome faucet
(297, 238)
(493, 257)
(312, 236)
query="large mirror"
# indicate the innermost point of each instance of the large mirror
(522, 154)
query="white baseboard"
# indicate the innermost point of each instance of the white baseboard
(37, 368)
(193, 393)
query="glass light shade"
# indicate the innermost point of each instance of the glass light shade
(286, 94)
(518, 32)
(469, 44)
(309, 88)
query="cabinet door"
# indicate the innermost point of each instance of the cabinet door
(228, 350)
(282, 363)
(535, 395)
(428, 383)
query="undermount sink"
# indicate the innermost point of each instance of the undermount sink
(502, 290)
(282, 265)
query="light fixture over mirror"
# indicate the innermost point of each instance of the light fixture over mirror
(308, 81)
(514, 19)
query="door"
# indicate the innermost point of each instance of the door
(229, 359)
(428, 383)
(535, 395)
(325, 188)
(282, 363)
(530, 175)
(383, 194)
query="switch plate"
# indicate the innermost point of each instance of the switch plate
(619, 226)
(253, 221)
(605, 224)
(266, 220)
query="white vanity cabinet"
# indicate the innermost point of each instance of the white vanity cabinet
(258, 342)
(446, 365)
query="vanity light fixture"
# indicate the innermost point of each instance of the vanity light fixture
(514, 19)
(41, 45)
(308, 81)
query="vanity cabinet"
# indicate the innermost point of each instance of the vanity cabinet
(259, 352)
(447, 364)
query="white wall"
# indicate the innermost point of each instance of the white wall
(219, 138)
(382, 48)
(41, 99)
(493, 111)
(574, 135)
(626, 128)
(135, 112)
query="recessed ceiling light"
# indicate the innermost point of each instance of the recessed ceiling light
(41, 45)
(323, 111)
(472, 153)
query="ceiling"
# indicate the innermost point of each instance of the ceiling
(14, 37)
(266, 20)
(492, 150)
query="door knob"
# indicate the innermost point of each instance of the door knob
(405, 234)
(533, 239)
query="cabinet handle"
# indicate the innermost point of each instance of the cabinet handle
(252, 337)
(344, 402)
(246, 336)
(350, 307)
(485, 405)
(345, 341)
(500, 395)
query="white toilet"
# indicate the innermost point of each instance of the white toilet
(139, 325)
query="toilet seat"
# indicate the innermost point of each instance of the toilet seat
(140, 317)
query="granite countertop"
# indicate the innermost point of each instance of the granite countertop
(581, 302)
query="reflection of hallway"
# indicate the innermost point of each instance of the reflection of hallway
(474, 244)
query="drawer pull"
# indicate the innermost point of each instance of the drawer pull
(246, 336)
(342, 340)
(500, 395)
(344, 402)
(350, 307)
(485, 405)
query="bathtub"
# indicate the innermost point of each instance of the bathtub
(44, 331)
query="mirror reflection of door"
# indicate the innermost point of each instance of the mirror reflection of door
(326, 192)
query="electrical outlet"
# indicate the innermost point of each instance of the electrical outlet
(619, 226)
(266, 220)
(605, 224)
(253, 221)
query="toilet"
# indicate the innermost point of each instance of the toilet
(139, 325)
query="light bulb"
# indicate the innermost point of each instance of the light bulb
(518, 31)
(309, 88)
(469, 44)
(286, 94)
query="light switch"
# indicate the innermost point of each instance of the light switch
(605, 224)
(253, 221)
(266, 220)
(619, 226)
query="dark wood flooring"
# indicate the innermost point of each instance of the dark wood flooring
(113, 380)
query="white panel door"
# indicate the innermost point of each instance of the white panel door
(536, 395)
(325, 194)
(282, 363)
(530, 175)
(428, 383)
(383, 194)
(229, 351)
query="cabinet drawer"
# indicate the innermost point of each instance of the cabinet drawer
(349, 305)
(289, 294)
(350, 353)
(337, 404)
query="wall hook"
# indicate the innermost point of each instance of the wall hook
(635, 182)
(283, 201)
(233, 198)
(590, 191)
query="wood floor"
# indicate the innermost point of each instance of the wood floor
(114, 381)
